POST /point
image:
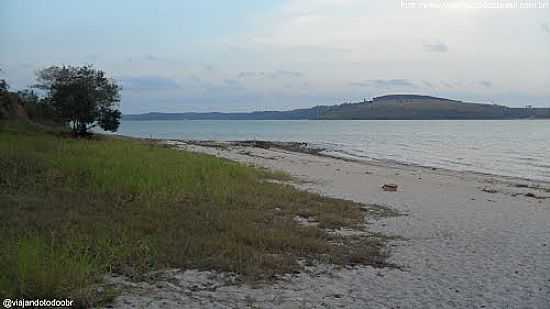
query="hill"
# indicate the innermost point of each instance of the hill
(398, 107)
(297, 114)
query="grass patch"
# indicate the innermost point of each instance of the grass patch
(75, 209)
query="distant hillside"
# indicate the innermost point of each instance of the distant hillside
(297, 114)
(398, 107)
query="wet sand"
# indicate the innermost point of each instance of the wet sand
(470, 241)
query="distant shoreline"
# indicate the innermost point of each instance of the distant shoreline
(390, 107)
(480, 119)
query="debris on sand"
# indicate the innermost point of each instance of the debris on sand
(308, 221)
(533, 195)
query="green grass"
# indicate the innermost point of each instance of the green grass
(75, 209)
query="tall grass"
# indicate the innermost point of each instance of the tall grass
(76, 209)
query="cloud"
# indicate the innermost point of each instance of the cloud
(359, 84)
(390, 84)
(148, 83)
(272, 75)
(250, 74)
(486, 83)
(327, 43)
(232, 83)
(151, 57)
(436, 47)
(193, 78)
(155, 59)
(91, 58)
(448, 84)
(285, 74)
(428, 84)
(208, 68)
(146, 57)
(385, 83)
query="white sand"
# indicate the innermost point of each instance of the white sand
(465, 248)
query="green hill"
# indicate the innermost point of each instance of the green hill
(399, 107)
(425, 107)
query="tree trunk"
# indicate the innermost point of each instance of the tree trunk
(82, 129)
(75, 127)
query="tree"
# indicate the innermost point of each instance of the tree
(3, 85)
(82, 97)
(37, 108)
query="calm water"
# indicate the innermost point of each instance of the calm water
(513, 148)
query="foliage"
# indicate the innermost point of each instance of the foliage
(81, 97)
(38, 109)
(25, 104)
(3, 84)
(11, 106)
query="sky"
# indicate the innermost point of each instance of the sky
(183, 56)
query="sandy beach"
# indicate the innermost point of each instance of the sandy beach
(467, 240)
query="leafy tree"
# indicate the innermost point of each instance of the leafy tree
(3, 84)
(28, 96)
(37, 108)
(81, 96)
(7, 100)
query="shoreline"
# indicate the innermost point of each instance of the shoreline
(463, 240)
(306, 148)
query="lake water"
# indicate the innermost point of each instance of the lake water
(518, 148)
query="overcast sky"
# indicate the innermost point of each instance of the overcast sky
(179, 55)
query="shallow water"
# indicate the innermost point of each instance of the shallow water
(519, 148)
